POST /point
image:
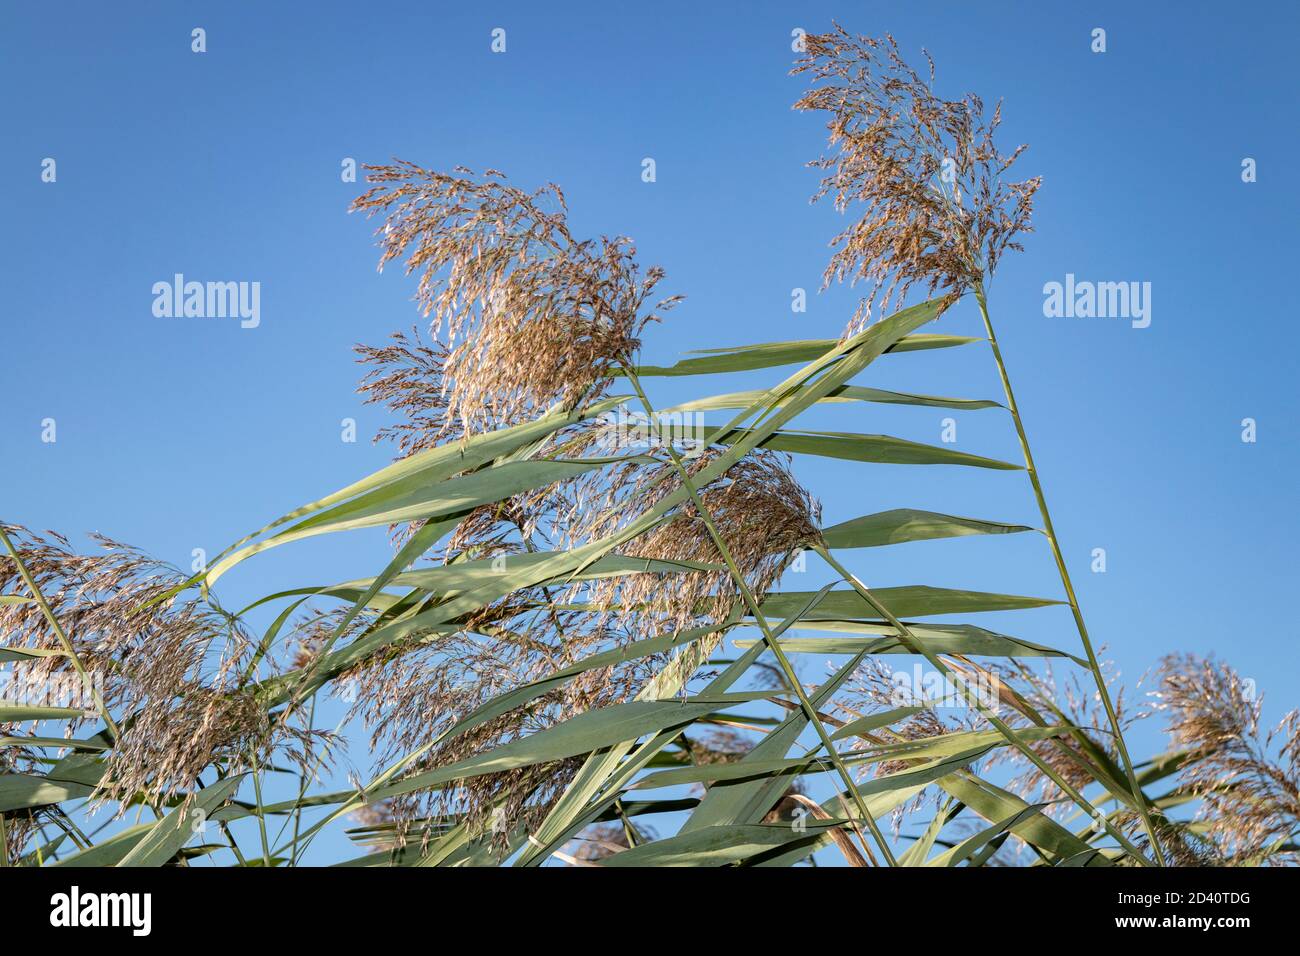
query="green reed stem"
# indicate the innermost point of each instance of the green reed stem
(1138, 796)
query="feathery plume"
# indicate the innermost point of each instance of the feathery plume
(1247, 779)
(936, 209)
(172, 669)
(533, 317)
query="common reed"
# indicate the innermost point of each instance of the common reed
(654, 556)
(927, 174)
(937, 210)
(569, 315)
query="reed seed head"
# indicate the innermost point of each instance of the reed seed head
(533, 317)
(936, 209)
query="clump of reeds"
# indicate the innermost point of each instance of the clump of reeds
(420, 688)
(172, 669)
(926, 171)
(411, 696)
(535, 319)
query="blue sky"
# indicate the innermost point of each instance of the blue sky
(182, 433)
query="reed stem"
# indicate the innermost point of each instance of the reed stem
(1139, 797)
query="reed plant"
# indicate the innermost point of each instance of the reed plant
(581, 648)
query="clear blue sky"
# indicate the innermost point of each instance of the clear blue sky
(183, 433)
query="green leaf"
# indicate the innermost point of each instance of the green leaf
(770, 354)
(110, 851)
(420, 470)
(25, 654)
(54, 742)
(730, 770)
(909, 524)
(965, 744)
(964, 639)
(881, 449)
(864, 725)
(398, 502)
(916, 853)
(168, 835)
(908, 601)
(452, 578)
(20, 791)
(717, 845)
(17, 713)
(843, 394)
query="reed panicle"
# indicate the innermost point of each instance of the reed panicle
(762, 513)
(533, 317)
(1247, 778)
(936, 209)
(173, 667)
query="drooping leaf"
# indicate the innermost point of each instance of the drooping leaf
(405, 501)
(17, 713)
(19, 791)
(110, 851)
(718, 845)
(965, 639)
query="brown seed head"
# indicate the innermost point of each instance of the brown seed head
(533, 318)
(926, 172)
